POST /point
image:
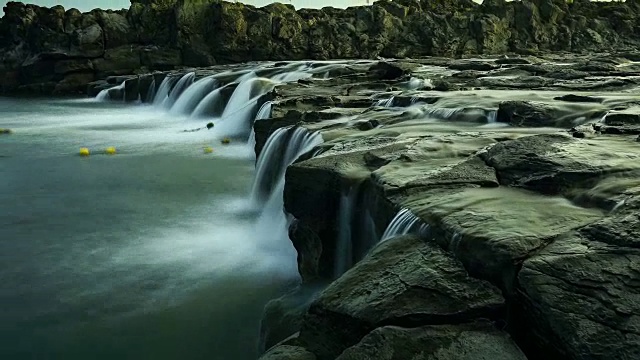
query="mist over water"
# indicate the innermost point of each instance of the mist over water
(151, 253)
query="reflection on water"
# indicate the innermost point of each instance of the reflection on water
(151, 253)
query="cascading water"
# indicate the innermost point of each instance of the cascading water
(385, 102)
(193, 95)
(108, 94)
(344, 240)
(296, 74)
(163, 91)
(282, 148)
(263, 113)
(207, 104)
(403, 223)
(239, 113)
(185, 81)
(151, 93)
(492, 116)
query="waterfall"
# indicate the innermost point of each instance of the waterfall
(344, 240)
(385, 102)
(185, 81)
(282, 148)
(296, 74)
(440, 113)
(207, 105)
(108, 94)
(285, 146)
(239, 113)
(151, 93)
(263, 113)
(191, 97)
(492, 116)
(163, 92)
(403, 223)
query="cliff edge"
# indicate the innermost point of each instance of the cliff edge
(58, 51)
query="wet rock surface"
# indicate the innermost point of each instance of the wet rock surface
(37, 43)
(404, 281)
(478, 340)
(520, 172)
(525, 198)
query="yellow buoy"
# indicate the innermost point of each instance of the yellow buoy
(208, 150)
(84, 151)
(226, 141)
(111, 150)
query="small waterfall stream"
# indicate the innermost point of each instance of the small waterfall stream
(282, 148)
(107, 94)
(151, 92)
(185, 81)
(163, 91)
(344, 239)
(385, 102)
(285, 146)
(263, 113)
(207, 104)
(193, 96)
(240, 111)
(403, 223)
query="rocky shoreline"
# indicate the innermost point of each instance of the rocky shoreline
(525, 206)
(60, 51)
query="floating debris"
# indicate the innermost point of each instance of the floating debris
(226, 141)
(5, 131)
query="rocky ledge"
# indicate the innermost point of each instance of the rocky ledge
(53, 50)
(491, 221)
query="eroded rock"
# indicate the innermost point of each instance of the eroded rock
(404, 281)
(477, 340)
(581, 293)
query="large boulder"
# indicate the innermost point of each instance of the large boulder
(526, 114)
(476, 340)
(116, 28)
(581, 294)
(87, 42)
(288, 352)
(118, 61)
(404, 281)
(156, 58)
(74, 83)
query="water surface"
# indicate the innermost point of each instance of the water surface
(149, 254)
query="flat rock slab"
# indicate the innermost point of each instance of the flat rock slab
(491, 230)
(404, 281)
(473, 341)
(582, 294)
(555, 163)
(288, 352)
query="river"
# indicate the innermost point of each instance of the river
(152, 253)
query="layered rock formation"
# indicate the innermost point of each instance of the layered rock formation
(60, 51)
(525, 207)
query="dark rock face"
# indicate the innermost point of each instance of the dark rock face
(524, 113)
(478, 340)
(167, 34)
(404, 281)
